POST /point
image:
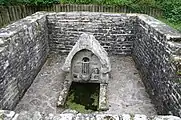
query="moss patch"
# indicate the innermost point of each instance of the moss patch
(83, 97)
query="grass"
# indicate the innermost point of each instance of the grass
(83, 97)
(176, 26)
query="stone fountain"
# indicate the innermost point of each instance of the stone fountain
(87, 62)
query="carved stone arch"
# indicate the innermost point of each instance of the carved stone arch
(89, 42)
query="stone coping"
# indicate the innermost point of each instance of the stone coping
(74, 115)
(21, 24)
(170, 33)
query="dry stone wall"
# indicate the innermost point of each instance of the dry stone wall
(115, 32)
(73, 115)
(155, 47)
(23, 50)
(156, 50)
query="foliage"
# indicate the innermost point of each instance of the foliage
(40, 2)
(139, 5)
(102, 2)
(28, 2)
(8, 2)
(99, 2)
(172, 10)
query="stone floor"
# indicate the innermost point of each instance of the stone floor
(126, 91)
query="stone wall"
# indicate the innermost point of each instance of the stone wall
(23, 50)
(115, 32)
(73, 115)
(156, 52)
(155, 47)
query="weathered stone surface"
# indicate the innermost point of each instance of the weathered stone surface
(6, 114)
(69, 116)
(80, 116)
(29, 116)
(126, 117)
(156, 50)
(66, 116)
(64, 93)
(43, 93)
(154, 46)
(87, 62)
(115, 32)
(23, 51)
(140, 117)
(166, 118)
(126, 92)
(69, 111)
(103, 99)
(107, 117)
(88, 42)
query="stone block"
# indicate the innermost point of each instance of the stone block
(85, 117)
(107, 117)
(6, 114)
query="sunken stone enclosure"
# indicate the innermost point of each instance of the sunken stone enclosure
(154, 47)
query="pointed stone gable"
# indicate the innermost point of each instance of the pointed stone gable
(87, 41)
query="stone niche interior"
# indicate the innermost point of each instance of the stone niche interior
(155, 48)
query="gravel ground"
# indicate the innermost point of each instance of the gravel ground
(126, 92)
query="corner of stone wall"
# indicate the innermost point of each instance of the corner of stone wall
(156, 52)
(23, 50)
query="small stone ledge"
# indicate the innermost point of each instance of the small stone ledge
(103, 102)
(10, 115)
(64, 93)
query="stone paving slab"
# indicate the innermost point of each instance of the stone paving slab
(43, 93)
(126, 92)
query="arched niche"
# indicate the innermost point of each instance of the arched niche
(85, 65)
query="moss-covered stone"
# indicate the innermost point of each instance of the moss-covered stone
(83, 97)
